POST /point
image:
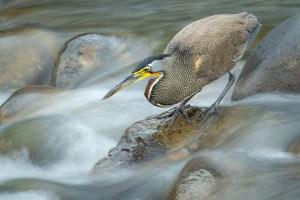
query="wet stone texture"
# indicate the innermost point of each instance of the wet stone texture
(81, 55)
(154, 137)
(196, 180)
(147, 139)
(274, 65)
(27, 55)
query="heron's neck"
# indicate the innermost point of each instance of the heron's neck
(151, 84)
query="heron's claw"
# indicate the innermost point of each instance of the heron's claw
(180, 109)
(213, 109)
(174, 114)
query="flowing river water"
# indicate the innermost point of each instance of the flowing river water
(63, 135)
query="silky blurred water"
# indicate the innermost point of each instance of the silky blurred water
(155, 20)
(53, 143)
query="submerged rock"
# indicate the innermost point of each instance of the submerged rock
(196, 180)
(154, 137)
(81, 55)
(45, 139)
(274, 65)
(22, 98)
(232, 174)
(27, 54)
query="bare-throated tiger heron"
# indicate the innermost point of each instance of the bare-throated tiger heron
(200, 53)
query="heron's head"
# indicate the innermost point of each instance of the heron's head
(149, 67)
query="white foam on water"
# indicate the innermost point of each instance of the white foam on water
(110, 118)
(268, 154)
(75, 166)
(28, 195)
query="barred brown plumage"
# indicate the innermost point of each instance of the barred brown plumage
(200, 53)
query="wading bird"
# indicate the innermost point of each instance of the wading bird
(200, 53)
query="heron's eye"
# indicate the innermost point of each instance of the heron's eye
(147, 69)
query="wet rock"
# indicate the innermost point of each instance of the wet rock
(209, 171)
(274, 65)
(22, 98)
(153, 137)
(83, 54)
(230, 172)
(196, 180)
(236, 174)
(27, 54)
(148, 139)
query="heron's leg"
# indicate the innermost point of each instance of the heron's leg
(181, 108)
(214, 108)
(231, 80)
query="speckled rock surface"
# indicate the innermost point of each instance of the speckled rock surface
(147, 139)
(196, 180)
(154, 138)
(274, 65)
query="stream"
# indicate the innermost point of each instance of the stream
(49, 148)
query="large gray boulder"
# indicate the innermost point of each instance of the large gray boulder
(82, 56)
(274, 65)
(27, 54)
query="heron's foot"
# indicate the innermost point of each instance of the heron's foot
(174, 114)
(178, 110)
(212, 110)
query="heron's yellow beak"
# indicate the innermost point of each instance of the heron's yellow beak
(133, 78)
